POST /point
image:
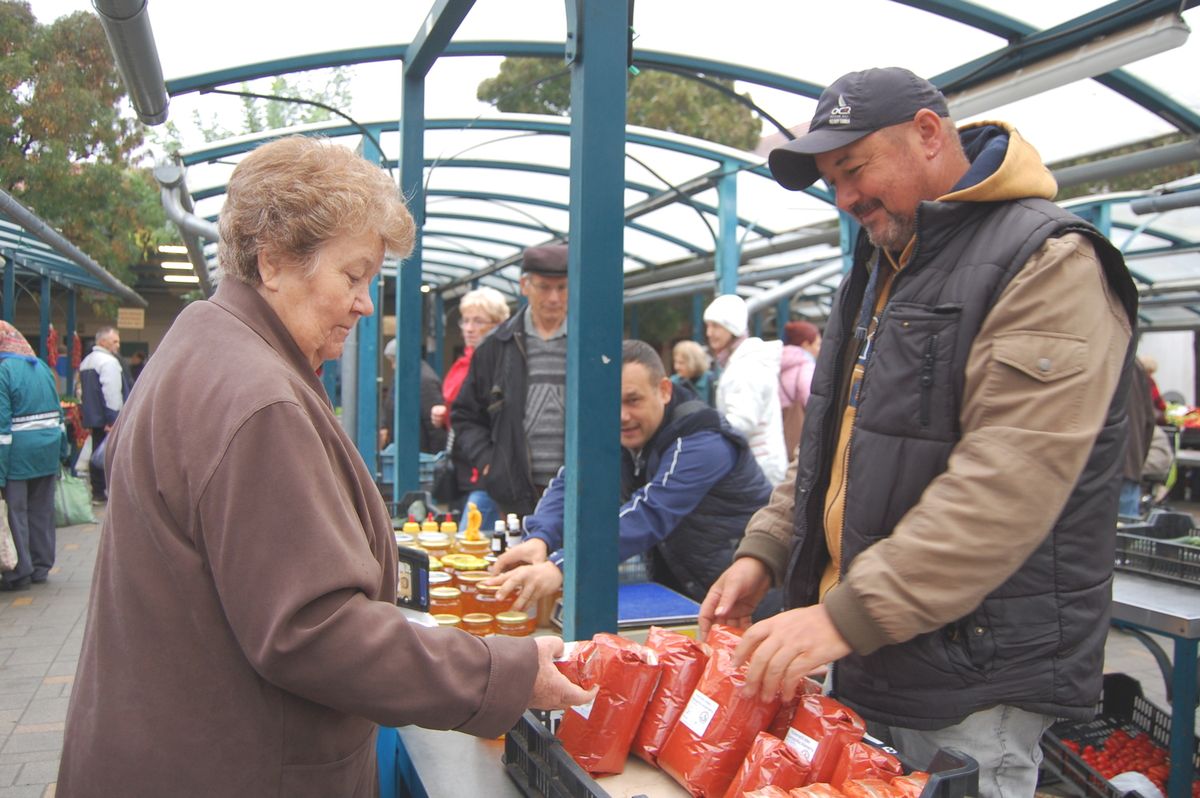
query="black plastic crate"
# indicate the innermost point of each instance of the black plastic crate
(1162, 559)
(1122, 706)
(541, 767)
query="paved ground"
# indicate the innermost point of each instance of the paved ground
(41, 631)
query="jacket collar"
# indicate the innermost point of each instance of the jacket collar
(245, 304)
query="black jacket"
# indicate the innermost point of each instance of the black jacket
(488, 419)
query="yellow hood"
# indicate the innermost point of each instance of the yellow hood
(1021, 174)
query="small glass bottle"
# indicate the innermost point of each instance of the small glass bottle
(479, 624)
(499, 541)
(513, 624)
(468, 583)
(513, 533)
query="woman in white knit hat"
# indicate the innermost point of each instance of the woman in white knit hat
(748, 389)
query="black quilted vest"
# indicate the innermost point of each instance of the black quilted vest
(1036, 642)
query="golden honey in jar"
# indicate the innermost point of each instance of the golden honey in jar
(476, 547)
(467, 582)
(435, 544)
(479, 624)
(448, 621)
(513, 624)
(487, 601)
(440, 579)
(445, 601)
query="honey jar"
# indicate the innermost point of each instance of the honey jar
(514, 624)
(467, 582)
(479, 624)
(435, 543)
(447, 621)
(445, 601)
(476, 547)
(486, 600)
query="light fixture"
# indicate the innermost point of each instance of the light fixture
(180, 278)
(426, 288)
(172, 249)
(1094, 58)
(176, 264)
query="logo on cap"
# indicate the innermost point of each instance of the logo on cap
(840, 115)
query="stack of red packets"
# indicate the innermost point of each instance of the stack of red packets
(677, 704)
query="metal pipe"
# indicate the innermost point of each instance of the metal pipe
(177, 202)
(1121, 165)
(126, 23)
(793, 286)
(1169, 287)
(1157, 203)
(52, 238)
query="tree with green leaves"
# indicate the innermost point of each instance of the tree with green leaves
(67, 143)
(260, 114)
(657, 99)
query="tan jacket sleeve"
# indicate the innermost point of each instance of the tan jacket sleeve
(768, 535)
(1036, 391)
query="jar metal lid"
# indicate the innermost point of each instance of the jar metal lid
(477, 618)
(439, 579)
(444, 592)
(446, 619)
(512, 616)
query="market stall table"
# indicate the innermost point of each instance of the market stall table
(1172, 610)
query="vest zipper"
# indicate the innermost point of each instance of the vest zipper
(927, 379)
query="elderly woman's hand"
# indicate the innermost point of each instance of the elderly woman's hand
(527, 583)
(437, 415)
(552, 690)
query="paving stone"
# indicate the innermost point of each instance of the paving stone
(8, 774)
(37, 741)
(41, 773)
(46, 710)
(25, 655)
(23, 791)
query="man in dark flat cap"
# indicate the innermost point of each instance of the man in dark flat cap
(509, 419)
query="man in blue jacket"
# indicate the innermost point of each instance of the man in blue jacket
(688, 481)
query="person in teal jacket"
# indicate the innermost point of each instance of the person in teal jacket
(32, 443)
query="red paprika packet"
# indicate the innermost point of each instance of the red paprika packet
(817, 791)
(571, 659)
(682, 662)
(597, 735)
(722, 636)
(769, 763)
(766, 792)
(783, 718)
(820, 730)
(868, 788)
(861, 760)
(717, 728)
(910, 786)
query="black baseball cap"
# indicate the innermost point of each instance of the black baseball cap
(855, 105)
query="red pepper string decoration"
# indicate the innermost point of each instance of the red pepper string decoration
(52, 347)
(76, 351)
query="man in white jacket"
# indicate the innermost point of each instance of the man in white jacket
(748, 389)
(104, 385)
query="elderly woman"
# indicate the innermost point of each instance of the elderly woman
(479, 311)
(693, 369)
(242, 635)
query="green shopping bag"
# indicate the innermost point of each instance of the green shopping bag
(72, 501)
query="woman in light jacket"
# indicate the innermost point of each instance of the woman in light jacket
(242, 634)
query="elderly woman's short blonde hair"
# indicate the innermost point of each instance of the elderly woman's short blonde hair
(695, 360)
(295, 194)
(488, 300)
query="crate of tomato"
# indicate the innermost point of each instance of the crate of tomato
(1129, 733)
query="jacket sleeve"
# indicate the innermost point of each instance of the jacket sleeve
(740, 402)
(109, 371)
(768, 537)
(294, 571)
(469, 416)
(1024, 444)
(546, 522)
(688, 470)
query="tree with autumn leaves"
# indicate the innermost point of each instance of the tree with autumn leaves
(68, 140)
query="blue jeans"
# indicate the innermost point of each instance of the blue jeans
(1004, 741)
(1131, 499)
(487, 508)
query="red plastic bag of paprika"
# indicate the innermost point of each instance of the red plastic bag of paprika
(817, 791)
(682, 662)
(716, 729)
(766, 792)
(598, 734)
(910, 786)
(571, 659)
(860, 760)
(820, 730)
(868, 788)
(769, 763)
(783, 718)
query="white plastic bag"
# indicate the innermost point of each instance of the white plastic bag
(1132, 781)
(8, 547)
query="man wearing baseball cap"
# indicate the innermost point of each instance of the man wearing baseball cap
(509, 418)
(946, 534)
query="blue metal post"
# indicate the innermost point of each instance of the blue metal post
(43, 349)
(758, 324)
(698, 318)
(783, 309)
(728, 248)
(10, 288)
(437, 358)
(1183, 720)
(848, 228)
(70, 339)
(435, 33)
(366, 434)
(597, 42)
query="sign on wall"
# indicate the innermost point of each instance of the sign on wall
(131, 318)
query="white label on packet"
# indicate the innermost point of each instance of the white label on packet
(585, 709)
(699, 713)
(802, 744)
